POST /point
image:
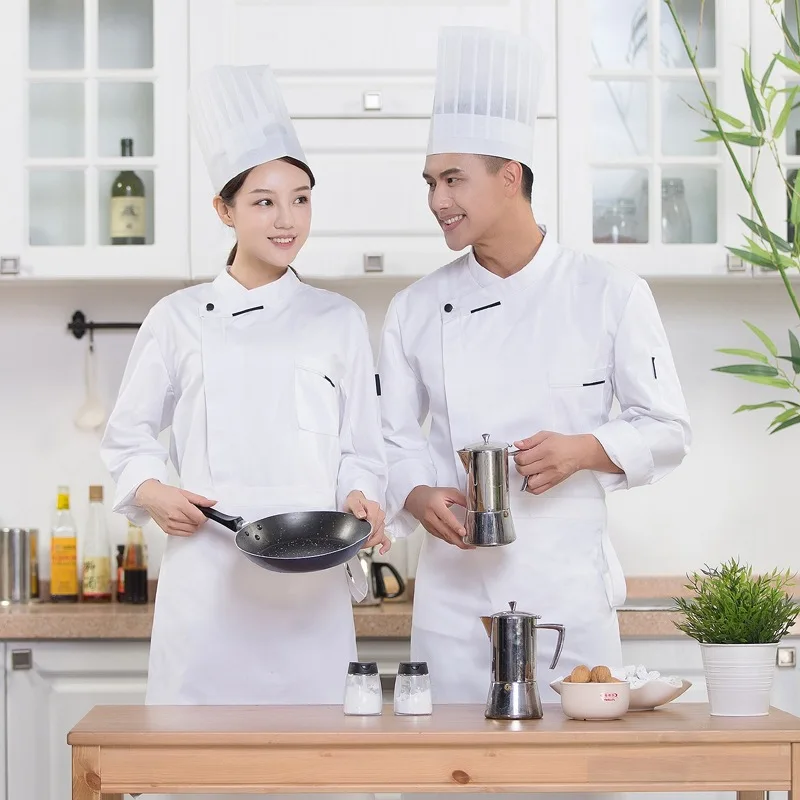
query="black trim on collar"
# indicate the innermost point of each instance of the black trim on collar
(483, 308)
(247, 310)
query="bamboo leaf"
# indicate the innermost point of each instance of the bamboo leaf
(793, 65)
(776, 383)
(765, 233)
(790, 413)
(795, 362)
(768, 343)
(790, 36)
(752, 258)
(748, 369)
(733, 351)
(758, 406)
(746, 139)
(794, 347)
(787, 424)
(724, 116)
(794, 213)
(756, 112)
(768, 73)
(783, 117)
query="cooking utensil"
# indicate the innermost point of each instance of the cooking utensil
(297, 541)
(376, 583)
(488, 518)
(92, 414)
(514, 693)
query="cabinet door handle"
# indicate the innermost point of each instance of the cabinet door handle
(9, 265)
(21, 659)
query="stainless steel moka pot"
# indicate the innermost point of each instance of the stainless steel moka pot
(488, 519)
(513, 693)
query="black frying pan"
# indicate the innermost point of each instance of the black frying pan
(298, 541)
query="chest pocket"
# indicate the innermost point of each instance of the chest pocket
(316, 401)
(580, 398)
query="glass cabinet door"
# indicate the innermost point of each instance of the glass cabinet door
(637, 186)
(99, 171)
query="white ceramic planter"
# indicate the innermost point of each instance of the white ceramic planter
(739, 678)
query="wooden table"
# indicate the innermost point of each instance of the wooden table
(123, 749)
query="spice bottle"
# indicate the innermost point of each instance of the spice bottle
(412, 689)
(362, 691)
(120, 582)
(134, 562)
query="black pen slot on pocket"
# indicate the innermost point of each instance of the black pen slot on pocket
(329, 381)
(595, 383)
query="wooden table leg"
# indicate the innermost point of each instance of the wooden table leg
(751, 795)
(86, 775)
(794, 793)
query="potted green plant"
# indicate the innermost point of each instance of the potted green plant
(738, 619)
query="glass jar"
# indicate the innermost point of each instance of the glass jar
(363, 695)
(412, 689)
(676, 222)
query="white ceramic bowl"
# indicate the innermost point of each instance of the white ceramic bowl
(647, 697)
(595, 700)
(653, 694)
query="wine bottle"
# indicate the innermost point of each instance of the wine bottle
(128, 204)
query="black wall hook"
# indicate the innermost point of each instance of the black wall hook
(79, 326)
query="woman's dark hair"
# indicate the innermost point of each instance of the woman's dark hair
(231, 189)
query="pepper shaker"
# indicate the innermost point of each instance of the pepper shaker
(362, 691)
(412, 689)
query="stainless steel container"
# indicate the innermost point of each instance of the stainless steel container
(488, 521)
(513, 693)
(15, 566)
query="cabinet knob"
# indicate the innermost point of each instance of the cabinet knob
(373, 262)
(373, 101)
(734, 263)
(9, 265)
(21, 659)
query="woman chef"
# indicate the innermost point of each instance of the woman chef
(268, 385)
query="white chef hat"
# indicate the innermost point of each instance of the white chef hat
(240, 121)
(487, 93)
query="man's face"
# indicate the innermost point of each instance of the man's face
(466, 199)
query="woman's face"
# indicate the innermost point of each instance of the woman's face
(271, 213)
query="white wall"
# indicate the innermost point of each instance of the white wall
(735, 494)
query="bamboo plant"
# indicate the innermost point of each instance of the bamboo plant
(770, 107)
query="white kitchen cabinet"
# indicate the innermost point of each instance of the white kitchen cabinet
(79, 76)
(359, 85)
(637, 188)
(50, 686)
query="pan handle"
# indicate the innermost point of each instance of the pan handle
(234, 524)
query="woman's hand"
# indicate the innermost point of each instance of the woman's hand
(360, 507)
(172, 509)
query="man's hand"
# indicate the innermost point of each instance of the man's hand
(172, 509)
(358, 505)
(430, 506)
(550, 458)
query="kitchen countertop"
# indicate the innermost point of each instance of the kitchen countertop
(645, 615)
(118, 621)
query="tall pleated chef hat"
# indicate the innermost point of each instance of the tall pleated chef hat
(240, 121)
(487, 93)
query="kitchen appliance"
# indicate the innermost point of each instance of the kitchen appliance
(297, 541)
(376, 583)
(513, 693)
(488, 518)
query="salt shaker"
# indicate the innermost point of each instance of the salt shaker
(363, 695)
(412, 689)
